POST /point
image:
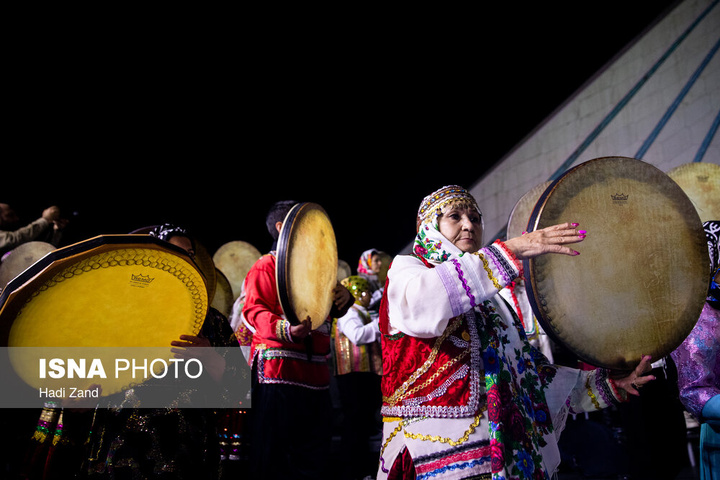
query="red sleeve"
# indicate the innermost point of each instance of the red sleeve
(262, 307)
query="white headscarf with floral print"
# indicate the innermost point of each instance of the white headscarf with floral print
(430, 244)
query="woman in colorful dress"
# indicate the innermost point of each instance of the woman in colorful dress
(464, 393)
(698, 366)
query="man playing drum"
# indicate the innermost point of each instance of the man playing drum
(291, 405)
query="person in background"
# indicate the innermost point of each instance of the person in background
(358, 369)
(698, 365)
(12, 233)
(178, 443)
(49, 227)
(373, 266)
(291, 406)
(368, 267)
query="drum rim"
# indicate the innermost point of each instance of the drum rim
(514, 210)
(283, 286)
(82, 249)
(50, 247)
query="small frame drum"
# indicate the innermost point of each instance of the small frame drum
(235, 259)
(307, 264)
(20, 258)
(701, 183)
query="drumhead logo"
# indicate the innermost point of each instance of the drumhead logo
(619, 198)
(140, 280)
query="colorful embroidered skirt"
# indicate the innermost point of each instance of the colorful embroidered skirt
(457, 448)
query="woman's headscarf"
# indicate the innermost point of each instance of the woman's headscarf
(712, 233)
(430, 244)
(167, 231)
(365, 262)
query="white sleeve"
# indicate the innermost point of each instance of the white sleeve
(352, 326)
(422, 300)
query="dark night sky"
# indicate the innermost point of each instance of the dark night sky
(364, 114)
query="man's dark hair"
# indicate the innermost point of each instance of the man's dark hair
(277, 213)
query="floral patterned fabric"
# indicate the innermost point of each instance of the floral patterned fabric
(697, 357)
(697, 362)
(712, 233)
(432, 299)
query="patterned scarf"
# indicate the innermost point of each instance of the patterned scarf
(430, 244)
(167, 230)
(712, 233)
(365, 262)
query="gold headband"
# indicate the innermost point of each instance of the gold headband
(433, 204)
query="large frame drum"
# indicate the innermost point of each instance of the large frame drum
(107, 294)
(639, 284)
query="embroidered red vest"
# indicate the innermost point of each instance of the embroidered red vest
(435, 377)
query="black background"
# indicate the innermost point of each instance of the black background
(207, 118)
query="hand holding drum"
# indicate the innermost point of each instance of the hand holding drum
(638, 287)
(547, 240)
(306, 267)
(554, 240)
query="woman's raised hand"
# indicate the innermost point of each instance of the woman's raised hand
(552, 239)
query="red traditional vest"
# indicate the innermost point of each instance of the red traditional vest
(435, 377)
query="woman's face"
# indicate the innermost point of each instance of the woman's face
(463, 227)
(365, 298)
(376, 263)
(182, 242)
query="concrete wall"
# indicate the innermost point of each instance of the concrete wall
(658, 101)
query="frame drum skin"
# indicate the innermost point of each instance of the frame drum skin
(202, 260)
(20, 258)
(223, 299)
(518, 219)
(640, 282)
(701, 183)
(106, 293)
(235, 259)
(307, 264)
(344, 270)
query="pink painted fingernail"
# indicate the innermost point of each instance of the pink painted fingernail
(582, 232)
(574, 224)
(576, 253)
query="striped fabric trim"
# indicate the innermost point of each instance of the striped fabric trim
(474, 457)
